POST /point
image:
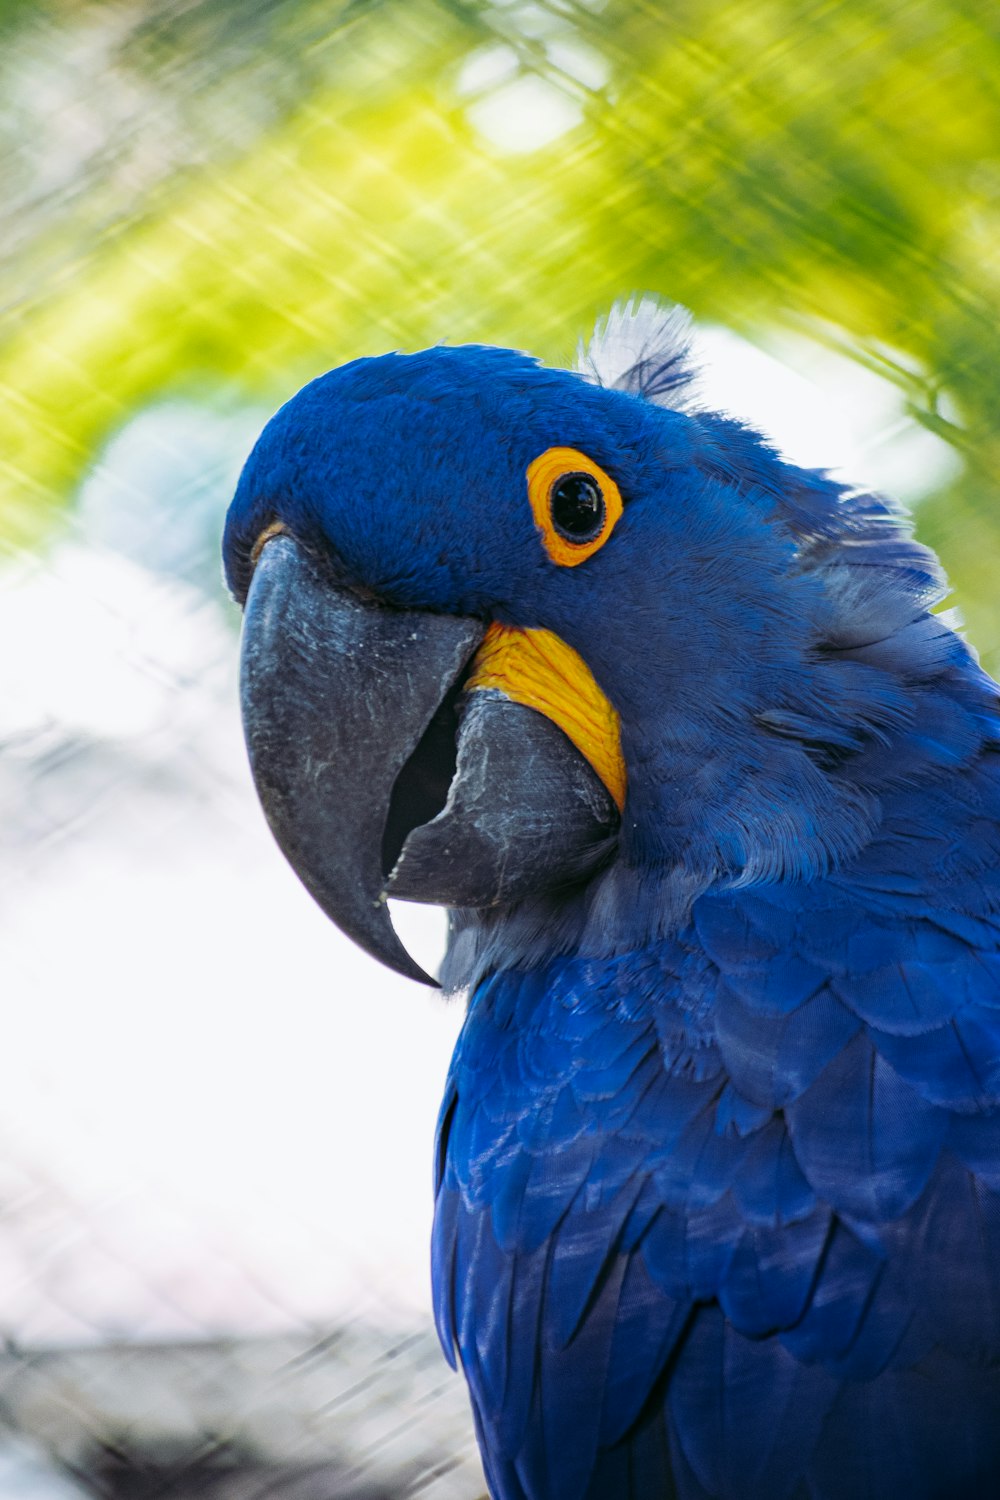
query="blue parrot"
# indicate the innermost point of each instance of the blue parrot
(713, 798)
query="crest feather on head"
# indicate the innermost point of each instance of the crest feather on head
(642, 346)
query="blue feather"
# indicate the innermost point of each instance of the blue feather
(586, 1247)
(770, 1277)
(647, 1330)
(768, 1185)
(975, 1140)
(735, 1115)
(958, 1269)
(748, 1414)
(530, 1188)
(956, 1066)
(848, 1274)
(865, 1140)
(908, 996)
(443, 1270)
(773, 1062)
(929, 1431)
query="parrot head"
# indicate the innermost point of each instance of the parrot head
(554, 648)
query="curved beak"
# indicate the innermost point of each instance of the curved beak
(377, 777)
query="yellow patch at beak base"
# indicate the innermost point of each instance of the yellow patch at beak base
(536, 668)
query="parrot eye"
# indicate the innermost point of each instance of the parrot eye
(574, 502)
(578, 508)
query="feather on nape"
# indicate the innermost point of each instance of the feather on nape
(642, 346)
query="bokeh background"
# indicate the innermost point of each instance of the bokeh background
(215, 1116)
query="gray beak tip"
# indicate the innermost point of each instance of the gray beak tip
(392, 953)
(411, 970)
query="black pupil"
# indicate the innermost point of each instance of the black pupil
(577, 507)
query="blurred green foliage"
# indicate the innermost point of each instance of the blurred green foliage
(225, 198)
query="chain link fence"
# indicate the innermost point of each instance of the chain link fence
(216, 1117)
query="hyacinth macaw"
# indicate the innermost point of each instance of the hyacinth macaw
(714, 800)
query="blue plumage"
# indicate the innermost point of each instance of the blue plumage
(718, 1201)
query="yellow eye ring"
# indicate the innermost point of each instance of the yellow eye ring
(576, 505)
